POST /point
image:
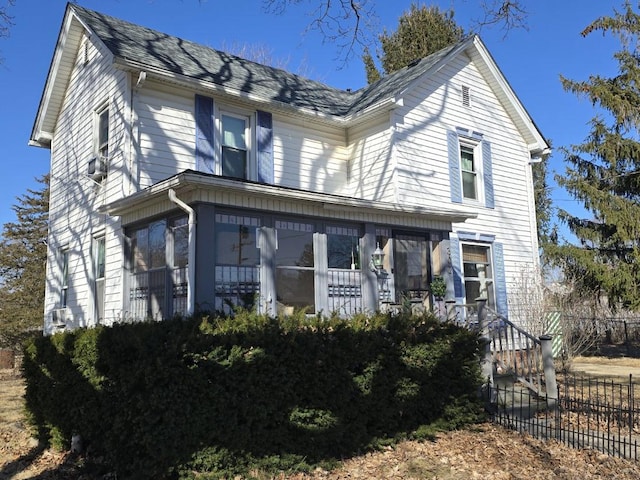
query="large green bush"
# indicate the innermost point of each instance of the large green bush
(225, 396)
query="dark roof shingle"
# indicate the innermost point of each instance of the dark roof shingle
(149, 47)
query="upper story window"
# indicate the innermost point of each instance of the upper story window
(235, 151)
(233, 143)
(469, 172)
(103, 133)
(470, 167)
(98, 165)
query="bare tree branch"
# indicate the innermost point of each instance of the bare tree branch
(510, 14)
(350, 24)
(6, 20)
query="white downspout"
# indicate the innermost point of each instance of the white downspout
(191, 281)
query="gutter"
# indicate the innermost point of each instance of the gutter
(191, 180)
(191, 281)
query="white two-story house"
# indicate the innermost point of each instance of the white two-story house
(184, 179)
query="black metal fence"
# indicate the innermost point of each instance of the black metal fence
(588, 413)
(622, 334)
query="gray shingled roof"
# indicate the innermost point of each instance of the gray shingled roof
(149, 47)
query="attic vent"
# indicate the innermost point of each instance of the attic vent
(85, 52)
(466, 101)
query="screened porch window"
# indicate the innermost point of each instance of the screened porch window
(237, 274)
(295, 277)
(344, 275)
(158, 283)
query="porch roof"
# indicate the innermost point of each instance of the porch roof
(195, 187)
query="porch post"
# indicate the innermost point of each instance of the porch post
(370, 288)
(486, 361)
(267, 243)
(549, 370)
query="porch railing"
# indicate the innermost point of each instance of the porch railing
(510, 350)
(345, 291)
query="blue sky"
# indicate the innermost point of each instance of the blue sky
(532, 61)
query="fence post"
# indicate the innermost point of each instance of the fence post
(487, 361)
(549, 370)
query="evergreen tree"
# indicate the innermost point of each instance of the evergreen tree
(603, 173)
(421, 31)
(23, 255)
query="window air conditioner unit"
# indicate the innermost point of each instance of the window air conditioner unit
(59, 316)
(97, 168)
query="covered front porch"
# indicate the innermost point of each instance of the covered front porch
(197, 242)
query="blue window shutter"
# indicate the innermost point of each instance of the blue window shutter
(453, 147)
(456, 268)
(487, 170)
(204, 134)
(264, 136)
(500, 279)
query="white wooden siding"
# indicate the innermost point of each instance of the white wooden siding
(433, 108)
(371, 166)
(309, 156)
(165, 134)
(74, 197)
(399, 157)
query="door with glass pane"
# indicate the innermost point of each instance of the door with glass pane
(411, 267)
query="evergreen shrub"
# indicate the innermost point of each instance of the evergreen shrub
(225, 396)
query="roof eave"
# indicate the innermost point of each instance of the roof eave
(44, 123)
(534, 138)
(190, 180)
(169, 77)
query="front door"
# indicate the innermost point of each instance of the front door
(411, 267)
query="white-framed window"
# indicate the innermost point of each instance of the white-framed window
(478, 273)
(99, 275)
(99, 164)
(471, 169)
(235, 152)
(64, 276)
(102, 131)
